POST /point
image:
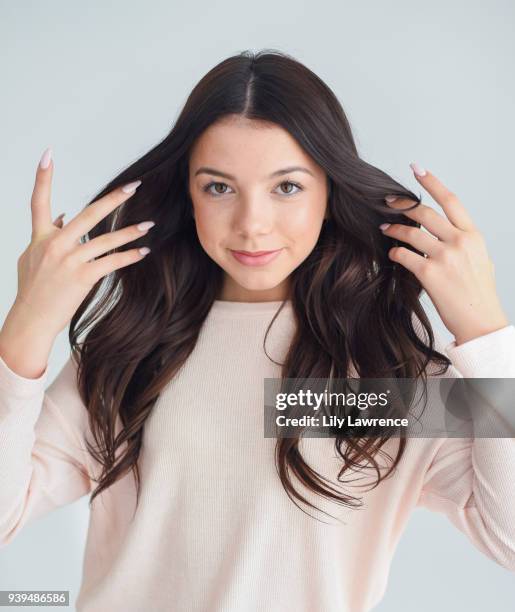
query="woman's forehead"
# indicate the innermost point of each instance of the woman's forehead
(241, 148)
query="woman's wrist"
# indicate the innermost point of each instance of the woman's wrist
(25, 342)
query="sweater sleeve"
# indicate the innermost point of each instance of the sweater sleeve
(43, 459)
(472, 480)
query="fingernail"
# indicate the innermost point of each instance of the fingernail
(145, 225)
(131, 186)
(390, 198)
(144, 250)
(418, 170)
(384, 226)
(44, 162)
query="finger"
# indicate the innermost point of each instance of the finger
(58, 221)
(81, 224)
(411, 261)
(451, 205)
(415, 236)
(41, 194)
(437, 224)
(109, 263)
(111, 240)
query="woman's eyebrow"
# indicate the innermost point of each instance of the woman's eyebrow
(207, 170)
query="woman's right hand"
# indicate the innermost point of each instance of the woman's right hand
(56, 271)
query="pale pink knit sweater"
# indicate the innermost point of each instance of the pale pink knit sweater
(215, 530)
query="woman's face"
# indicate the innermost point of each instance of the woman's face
(244, 200)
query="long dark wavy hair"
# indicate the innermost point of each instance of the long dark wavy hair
(351, 303)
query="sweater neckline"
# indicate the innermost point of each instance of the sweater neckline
(248, 308)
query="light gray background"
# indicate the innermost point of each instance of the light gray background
(101, 82)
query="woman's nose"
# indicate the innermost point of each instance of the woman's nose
(253, 216)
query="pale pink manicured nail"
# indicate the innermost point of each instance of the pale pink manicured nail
(384, 226)
(418, 170)
(144, 250)
(44, 162)
(131, 186)
(390, 198)
(145, 225)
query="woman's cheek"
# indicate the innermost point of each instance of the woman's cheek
(212, 232)
(303, 218)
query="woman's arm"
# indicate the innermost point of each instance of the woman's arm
(43, 459)
(472, 481)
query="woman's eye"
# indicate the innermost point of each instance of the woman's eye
(292, 184)
(214, 184)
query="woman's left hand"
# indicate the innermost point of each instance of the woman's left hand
(457, 272)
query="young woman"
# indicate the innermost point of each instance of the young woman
(269, 257)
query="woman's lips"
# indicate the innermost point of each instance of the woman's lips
(258, 259)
